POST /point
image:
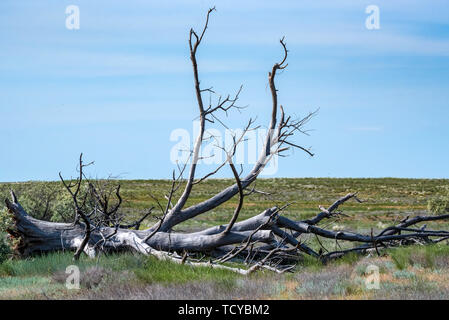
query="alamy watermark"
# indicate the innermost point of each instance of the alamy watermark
(372, 280)
(215, 142)
(73, 278)
(72, 21)
(372, 22)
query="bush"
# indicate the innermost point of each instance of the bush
(5, 222)
(47, 201)
(439, 205)
(5, 250)
(43, 200)
(6, 269)
(50, 201)
(90, 278)
(404, 274)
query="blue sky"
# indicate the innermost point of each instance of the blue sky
(117, 87)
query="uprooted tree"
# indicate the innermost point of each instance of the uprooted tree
(268, 240)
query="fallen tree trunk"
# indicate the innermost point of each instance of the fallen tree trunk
(34, 236)
(43, 236)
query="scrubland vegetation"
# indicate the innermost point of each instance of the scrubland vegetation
(413, 272)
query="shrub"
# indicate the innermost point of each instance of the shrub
(5, 250)
(5, 222)
(92, 277)
(47, 201)
(404, 274)
(439, 205)
(89, 278)
(6, 269)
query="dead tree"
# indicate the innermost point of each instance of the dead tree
(268, 240)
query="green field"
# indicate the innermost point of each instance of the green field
(415, 272)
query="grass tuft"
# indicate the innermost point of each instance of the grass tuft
(430, 256)
(157, 271)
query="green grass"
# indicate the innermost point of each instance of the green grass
(429, 256)
(350, 258)
(310, 263)
(48, 264)
(156, 271)
(147, 269)
(343, 278)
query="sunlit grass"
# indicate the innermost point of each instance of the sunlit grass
(156, 271)
(47, 264)
(430, 256)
